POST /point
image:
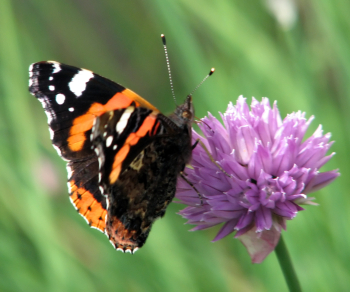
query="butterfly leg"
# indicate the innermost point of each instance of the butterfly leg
(183, 175)
(198, 141)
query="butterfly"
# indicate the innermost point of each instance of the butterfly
(123, 155)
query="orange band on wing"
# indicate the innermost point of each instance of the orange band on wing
(88, 207)
(145, 128)
(132, 139)
(156, 128)
(119, 101)
(117, 164)
(85, 122)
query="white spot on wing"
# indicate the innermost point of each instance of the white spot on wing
(69, 170)
(60, 98)
(57, 149)
(50, 78)
(109, 141)
(59, 152)
(56, 67)
(51, 87)
(70, 198)
(78, 83)
(50, 117)
(49, 112)
(97, 228)
(121, 126)
(87, 221)
(100, 162)
(51, 133)
(30, 75)
(115, 146)
(124, 119)
(71, 109)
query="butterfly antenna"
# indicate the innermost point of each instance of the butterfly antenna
(168, 66)
(212, 70)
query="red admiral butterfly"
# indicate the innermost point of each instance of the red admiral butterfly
(123, 155)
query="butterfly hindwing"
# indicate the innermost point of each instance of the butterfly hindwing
(152, 151)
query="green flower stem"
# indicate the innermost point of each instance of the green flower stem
(287, 266)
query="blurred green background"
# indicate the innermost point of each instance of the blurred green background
(296, 52)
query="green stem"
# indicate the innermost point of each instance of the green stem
(287, 266)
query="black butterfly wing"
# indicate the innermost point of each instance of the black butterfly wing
(138, 170)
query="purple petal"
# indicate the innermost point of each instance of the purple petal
(264, 155)
(286, 209)
(231, 166)
(233, 214)
(321, 180)
(324, 160)
(203, 226)
(255, 166)
(215, 180)
(244, 144)
(245, 220)
(228, 228)
(263, 219)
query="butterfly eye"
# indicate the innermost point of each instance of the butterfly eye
(187, 115)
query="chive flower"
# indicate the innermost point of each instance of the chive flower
(269, 170)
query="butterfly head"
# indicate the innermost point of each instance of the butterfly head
(184, 113)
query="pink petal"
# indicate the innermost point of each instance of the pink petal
(259, 246)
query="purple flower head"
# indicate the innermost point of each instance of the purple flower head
(271, 170)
